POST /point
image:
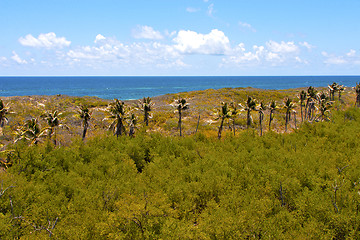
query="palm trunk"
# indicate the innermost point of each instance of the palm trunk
(248, 122)
(131, 131)
(197, 125)
(301, 110)
(357, 99)
(146, 118)
(234, 126)
(220, 128)
(286, 120)
(179, 124)
(261, 116)
(84, 130)
(271, 118)
(119, 128)
(295, 119)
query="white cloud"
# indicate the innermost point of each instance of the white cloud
(247, 26)
(272, 54)
(192, 10)
(190, 42)
(99, 37)
(335, 60)
(111, 52)
(210, 10)
(146, 32)
(17, 58)
(47, 40)
(282, 47)
(352, 53)
(349, 58)
(306, 45)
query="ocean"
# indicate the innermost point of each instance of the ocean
(126, 88)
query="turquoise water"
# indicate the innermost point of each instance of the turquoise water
(126, 88)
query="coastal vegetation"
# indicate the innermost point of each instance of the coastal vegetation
(290, 181)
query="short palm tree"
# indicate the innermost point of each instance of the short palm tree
(145, 105)
(4, 110)
(341, 88)
(132, 124)
(85, 115)
(289, 107)
(53, 121)
(180, 105)
(332, 89)
(261, 108)
(32, 132)
(117, 110)
(302, 99)
(224, 114)
(273, 107)
(357, 90)
(324, 110)
(250, 105)
(234, 113)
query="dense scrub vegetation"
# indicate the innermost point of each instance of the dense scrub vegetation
(301, 185)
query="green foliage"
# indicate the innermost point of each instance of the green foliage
(157, 187)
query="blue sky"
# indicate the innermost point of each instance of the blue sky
(179, 37)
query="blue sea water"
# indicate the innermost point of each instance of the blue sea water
(126, 88)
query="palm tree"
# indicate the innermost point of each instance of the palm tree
(250, 105)
(273, 107)
(332, 89)
(132, 124)
(302, 98)
(234, 113)
(32, 132)
(145, 105)
(324, 108)
(261, 108)
(180, 106)
(224, 113)
(310, 103)
(117, 109)
(53, 121)
(357, 90)
(85, 115)
(289, 107)
(4, 110)
(341, 88)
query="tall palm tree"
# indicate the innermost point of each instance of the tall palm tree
(117, 110)
(132, 124)
(145, 105)
(4, 110)
(273, 107)
(261, 108)
(224, 113)
(53, 121)
(357, 90)
(289, 107)
(180, 105)
(310, 103)
(234, 113)
(250, 105)
(32, 132)
(85, 115)
(302, 99)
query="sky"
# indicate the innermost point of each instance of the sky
(179, 37)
